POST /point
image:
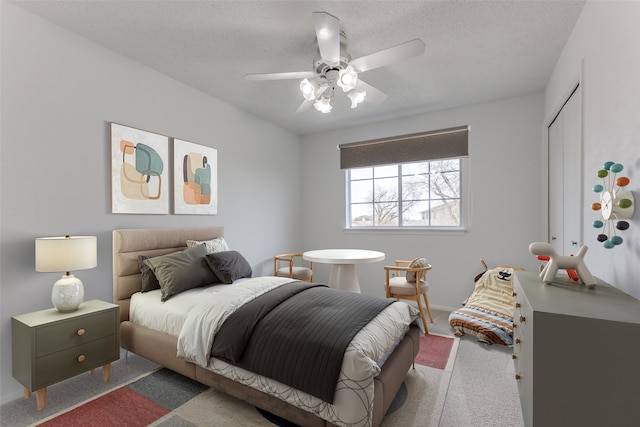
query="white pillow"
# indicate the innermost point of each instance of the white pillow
(212, 246)
(416, 263)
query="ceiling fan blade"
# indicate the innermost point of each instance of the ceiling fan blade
(328, 35)
(388, 56)
(374, 96)
(281, 76)
(304, 106)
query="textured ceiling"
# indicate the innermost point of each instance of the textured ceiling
(475, 50)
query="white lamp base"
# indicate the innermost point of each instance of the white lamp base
(67, 293)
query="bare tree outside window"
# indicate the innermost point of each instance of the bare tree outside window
(422, 194)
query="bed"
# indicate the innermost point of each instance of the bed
(487, 313)
(362, 401)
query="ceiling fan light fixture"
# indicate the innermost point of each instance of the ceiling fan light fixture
(323, 105)
(356, 97)
(308, 89)
(334, 67)
(347, 79)
(322, 88)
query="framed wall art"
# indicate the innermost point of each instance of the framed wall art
(139, 171)
(195, 176)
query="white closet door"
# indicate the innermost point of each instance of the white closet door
(556, 184)
(572, 162)
(565, 180)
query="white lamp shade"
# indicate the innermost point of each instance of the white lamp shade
(356, 97)
(308, 89)
(323, 105)
(58, 254)
(347, 79)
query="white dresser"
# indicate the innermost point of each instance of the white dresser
(576, 353)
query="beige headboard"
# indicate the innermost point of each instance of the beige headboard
(129, 243)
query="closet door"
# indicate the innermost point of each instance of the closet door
(556, 184)
(565, 180)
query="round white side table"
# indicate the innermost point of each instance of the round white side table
(343, 270)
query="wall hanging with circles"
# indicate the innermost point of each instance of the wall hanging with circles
(615, 205)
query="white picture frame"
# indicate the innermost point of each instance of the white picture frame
(139, 171)
(195, 178)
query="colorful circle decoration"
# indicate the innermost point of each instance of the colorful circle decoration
(616, 204)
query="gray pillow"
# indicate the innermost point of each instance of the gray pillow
(228, 266)
(180, 271)
(149, 279)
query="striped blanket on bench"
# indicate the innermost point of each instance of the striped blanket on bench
(488, 312)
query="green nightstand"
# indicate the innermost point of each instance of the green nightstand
(49, 346)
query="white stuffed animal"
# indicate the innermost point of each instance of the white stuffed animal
(561, 261)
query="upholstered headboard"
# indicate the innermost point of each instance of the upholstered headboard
(129, 243)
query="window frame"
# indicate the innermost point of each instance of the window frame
(464, 199)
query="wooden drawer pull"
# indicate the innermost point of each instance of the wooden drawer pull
(514, 357)
(518, 341)
(513, 294)
(81, 358)
(517, 377)
(518, 305)
(80, 332)
(522, 318)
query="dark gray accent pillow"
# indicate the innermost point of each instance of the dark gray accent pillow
(180, 271)
(228, 266)
(149, 279)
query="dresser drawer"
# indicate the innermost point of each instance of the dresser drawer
(69, 362)
(523, 349)
(74, 332)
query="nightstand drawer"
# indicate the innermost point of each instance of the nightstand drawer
(74, 332)
(64, 364)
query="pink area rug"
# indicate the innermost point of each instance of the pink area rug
(435, 350)
(122, 407)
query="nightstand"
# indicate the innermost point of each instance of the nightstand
(49, 346)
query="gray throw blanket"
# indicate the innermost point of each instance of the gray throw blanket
(296, 334)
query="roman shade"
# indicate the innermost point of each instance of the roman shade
(433, 145)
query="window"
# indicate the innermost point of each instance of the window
(406, 181)
(419, 194)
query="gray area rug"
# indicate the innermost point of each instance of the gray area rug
(421, 404)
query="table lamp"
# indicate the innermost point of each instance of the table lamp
(65, 254)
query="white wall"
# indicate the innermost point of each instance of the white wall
(505, 157)
(603, 48)
(59, 93)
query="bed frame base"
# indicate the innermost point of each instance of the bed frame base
(161, 349)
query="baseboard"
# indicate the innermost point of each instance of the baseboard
(443, 308)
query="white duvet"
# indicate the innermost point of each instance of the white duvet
(353, 402)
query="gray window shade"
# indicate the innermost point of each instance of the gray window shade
(439, 144)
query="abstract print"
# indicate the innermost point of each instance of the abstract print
(196, 172)
(195, 178)
(138, 175)
(135, 176)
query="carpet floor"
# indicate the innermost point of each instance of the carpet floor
(164, 398)
(140, 394)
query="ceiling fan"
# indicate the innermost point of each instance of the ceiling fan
(335, 68)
